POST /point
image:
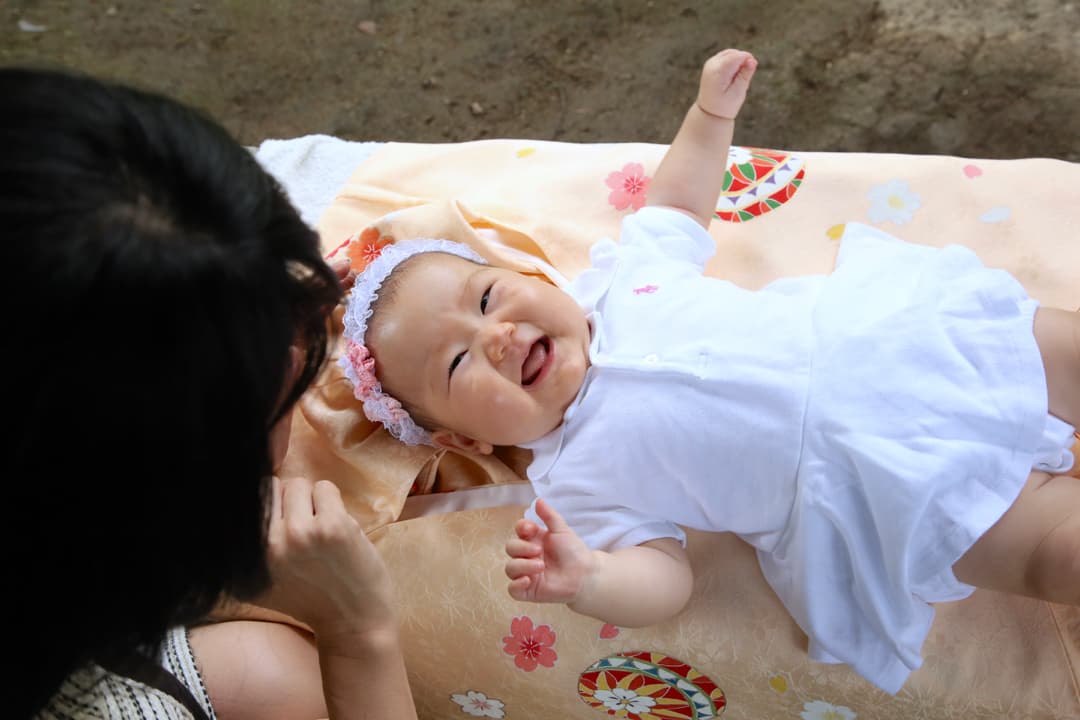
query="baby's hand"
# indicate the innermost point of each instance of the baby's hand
(549, 565)
(724, 82)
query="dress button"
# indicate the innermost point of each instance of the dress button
(652, 358)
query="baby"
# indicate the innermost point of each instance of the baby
(886, 436)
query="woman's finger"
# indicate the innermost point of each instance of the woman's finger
(326, 499)
(275, 497)
(297, 505)
(341, 268)
(277, 522)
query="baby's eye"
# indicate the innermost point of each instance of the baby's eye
(456, 361)
(484, 301)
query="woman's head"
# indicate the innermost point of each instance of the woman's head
(486, 356)
(156, 279)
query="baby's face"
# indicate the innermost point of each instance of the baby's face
(493, 357)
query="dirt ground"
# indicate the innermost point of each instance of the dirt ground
(976, 78)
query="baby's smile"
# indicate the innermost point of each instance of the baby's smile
(537, 361)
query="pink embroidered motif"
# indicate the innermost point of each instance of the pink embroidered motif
(609, 631)
(530, 647)
(646, 289)
(335, 250)
(628, 187)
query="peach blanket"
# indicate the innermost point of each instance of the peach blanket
(537, 207)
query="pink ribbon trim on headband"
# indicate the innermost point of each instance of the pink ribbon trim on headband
(367, 388)
(364, 365)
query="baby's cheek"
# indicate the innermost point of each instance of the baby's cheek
(507, 417)
(499, 405)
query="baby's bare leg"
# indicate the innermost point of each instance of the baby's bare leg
(1058, 334)
(1034, 549)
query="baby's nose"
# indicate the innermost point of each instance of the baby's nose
(497, 337)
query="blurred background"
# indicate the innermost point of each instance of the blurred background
(975, 78)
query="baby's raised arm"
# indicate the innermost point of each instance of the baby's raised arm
(554, 565)
(691, 175)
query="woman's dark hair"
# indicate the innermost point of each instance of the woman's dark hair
(155, 279)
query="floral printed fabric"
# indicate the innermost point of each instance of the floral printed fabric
(530, 646)
(628, 187)
(983, 651)
(649, 686)
(892, 202)
(478, 704)
(365, 247)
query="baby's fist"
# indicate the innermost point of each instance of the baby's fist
(724, 82)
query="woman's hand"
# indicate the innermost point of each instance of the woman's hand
(325, 571)
(343, 269)
(327, 575)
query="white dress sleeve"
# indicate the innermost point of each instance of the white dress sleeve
(668, 234)
(602, 523)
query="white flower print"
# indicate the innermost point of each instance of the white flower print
(893, 201)
(622, 699)
(820, 710)
(478, 704)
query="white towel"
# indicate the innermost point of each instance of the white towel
(313, 168)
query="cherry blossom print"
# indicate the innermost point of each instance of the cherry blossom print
(365, 247)
(626, 700)
(530, 646)
(892, 202)
(628, 187)
(478, 704)
(821, 710)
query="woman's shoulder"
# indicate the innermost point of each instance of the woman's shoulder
(258, 669)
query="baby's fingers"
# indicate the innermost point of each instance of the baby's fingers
(746, 70)
(551, 518)
(522, 567)
(730, 67)
(526, 529)
(518, 548)
(724, 83)
(519, 588)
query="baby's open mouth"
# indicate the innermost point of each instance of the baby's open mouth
(535, 361)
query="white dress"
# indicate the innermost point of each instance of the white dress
(861, 429)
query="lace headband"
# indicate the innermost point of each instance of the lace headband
(357, 362)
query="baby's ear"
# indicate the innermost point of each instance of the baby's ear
(456, 441)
